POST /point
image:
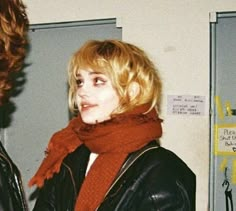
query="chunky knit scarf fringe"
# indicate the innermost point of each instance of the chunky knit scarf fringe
(113, 140)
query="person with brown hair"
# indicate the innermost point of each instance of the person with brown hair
(109, 157)
(13, 46)
(13, 43)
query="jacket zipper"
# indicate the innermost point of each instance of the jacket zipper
(127, 167)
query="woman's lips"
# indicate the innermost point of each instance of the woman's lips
(87, 106)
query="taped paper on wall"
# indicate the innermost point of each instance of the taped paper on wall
(186, 105)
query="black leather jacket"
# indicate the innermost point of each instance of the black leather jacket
(12, 196)
(152, 178)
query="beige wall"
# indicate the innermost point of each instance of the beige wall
(176, 35)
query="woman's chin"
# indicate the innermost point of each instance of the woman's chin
(93, 121)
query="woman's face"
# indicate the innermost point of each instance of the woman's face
(96, 98)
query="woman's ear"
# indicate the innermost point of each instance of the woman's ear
(133, 90)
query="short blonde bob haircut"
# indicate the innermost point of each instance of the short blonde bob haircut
(124, 64)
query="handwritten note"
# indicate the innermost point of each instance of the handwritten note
(186, 105)
(226, 138)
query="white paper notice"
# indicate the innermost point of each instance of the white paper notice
(186, 105)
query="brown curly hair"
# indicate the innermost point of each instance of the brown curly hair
(13, 41)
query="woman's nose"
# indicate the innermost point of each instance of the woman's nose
(81, 92)
(84, 90)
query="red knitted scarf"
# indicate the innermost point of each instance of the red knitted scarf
(113, 140)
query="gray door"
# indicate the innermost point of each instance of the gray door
(41, 96)
(223, 119)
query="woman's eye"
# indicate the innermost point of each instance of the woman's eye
(79, 82)
(99, 81)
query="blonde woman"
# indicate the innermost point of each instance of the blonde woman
(108, 157)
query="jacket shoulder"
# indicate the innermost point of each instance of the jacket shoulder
(157, 157)
(162, 168)
(168, 180)
(153, 178)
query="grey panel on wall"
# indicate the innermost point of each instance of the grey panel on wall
(223, 84)
(41, 103)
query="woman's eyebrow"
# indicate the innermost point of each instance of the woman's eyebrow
(91, 73)
(95, 73)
